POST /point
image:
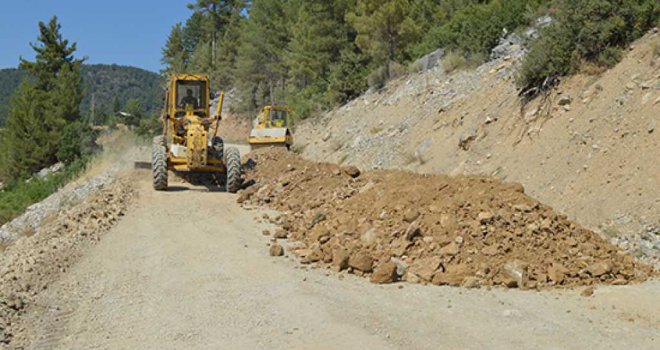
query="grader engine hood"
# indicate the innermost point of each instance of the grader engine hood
(197, 146)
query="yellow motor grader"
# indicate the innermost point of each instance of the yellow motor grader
(186, 144)
(271, 128)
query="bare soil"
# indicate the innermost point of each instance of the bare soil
(190, 269)
(471, 231)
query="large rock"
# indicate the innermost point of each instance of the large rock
(515, 271)
(565, 100)
(361, 261)
(453, 276)
(511, 45)
(385, 273)
(557, 273)
(450, 249)
(340, 258)
(430, 61)
(351, 171)
(413, 231)
(425, 268)
(600, 268)
(410, 215)
(276, 250)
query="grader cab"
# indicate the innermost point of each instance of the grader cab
(186, 144)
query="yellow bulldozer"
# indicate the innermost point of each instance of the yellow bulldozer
(186, 144)
(271, 128)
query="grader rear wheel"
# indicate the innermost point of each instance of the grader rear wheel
(233, 164)
(159, 163)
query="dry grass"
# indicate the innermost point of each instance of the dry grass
(454, 61)
(376, 130)
(655, 47)
(655, 51)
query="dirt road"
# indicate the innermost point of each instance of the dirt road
(189, 269)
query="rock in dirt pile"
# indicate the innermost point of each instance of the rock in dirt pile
(392, 225)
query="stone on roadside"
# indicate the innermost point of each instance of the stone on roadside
(340, 258)
(385, 273)
(361, 262)
(276, 250)
(515, 271)
(470, 282)
(425, 268)
(587, 292)
(453, 276)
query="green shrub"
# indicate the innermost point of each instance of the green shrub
(585, 31)
(149, 127)
(453, 61)
(304, 103)
(655, 48)
(78, 140)
(475, 29)
(20, 194)
(378, 78)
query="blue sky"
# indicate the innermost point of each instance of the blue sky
(125, 32)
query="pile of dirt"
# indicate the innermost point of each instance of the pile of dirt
(32, 263)
(392, 225)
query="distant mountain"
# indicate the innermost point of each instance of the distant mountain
(104, 84)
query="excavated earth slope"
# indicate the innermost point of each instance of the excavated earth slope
(392, 225)
(589, 148)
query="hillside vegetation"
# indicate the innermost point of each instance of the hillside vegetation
(44, 124)
(316, 54)
(107, 88)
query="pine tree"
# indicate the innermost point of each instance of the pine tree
(219, 14)
(175, 56)
(196, 30)
(45, 103)
(135, 112)
(53, 55)
(317, 38)
(227, 51)
(385, 30)
(261, 54)
(201, 61)
(27, 143)
(116, 105)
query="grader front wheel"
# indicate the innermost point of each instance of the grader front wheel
(233, 164)
(159, 163)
